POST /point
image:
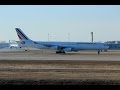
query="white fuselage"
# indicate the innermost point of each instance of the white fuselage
(68, 46)
(61, 47)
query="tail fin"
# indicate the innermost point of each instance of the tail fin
(21, 35)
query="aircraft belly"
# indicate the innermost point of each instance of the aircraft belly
(88, 47)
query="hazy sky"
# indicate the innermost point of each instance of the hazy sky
(37, 21)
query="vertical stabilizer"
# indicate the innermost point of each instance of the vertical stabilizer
(21, 35)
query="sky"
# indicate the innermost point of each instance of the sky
(61, 22)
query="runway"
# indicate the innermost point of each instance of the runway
(45, 67)
(20, 54)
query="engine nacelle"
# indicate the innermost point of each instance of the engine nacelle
(54, 47)
(67, 49)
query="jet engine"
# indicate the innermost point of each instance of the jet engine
(67, 49)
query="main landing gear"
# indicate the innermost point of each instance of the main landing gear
(60, 52)
(98, 51)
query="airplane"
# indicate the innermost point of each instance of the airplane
(17, 45)
(60, 47)
(14, 45)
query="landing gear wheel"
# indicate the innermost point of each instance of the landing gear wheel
(99, 52)
(63, 52)
(60, 52)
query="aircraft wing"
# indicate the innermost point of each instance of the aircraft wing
(61, 47)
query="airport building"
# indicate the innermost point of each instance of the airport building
(113, 45)
(4, 44)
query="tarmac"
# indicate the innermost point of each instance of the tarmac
(35, 54)
(45, 67)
